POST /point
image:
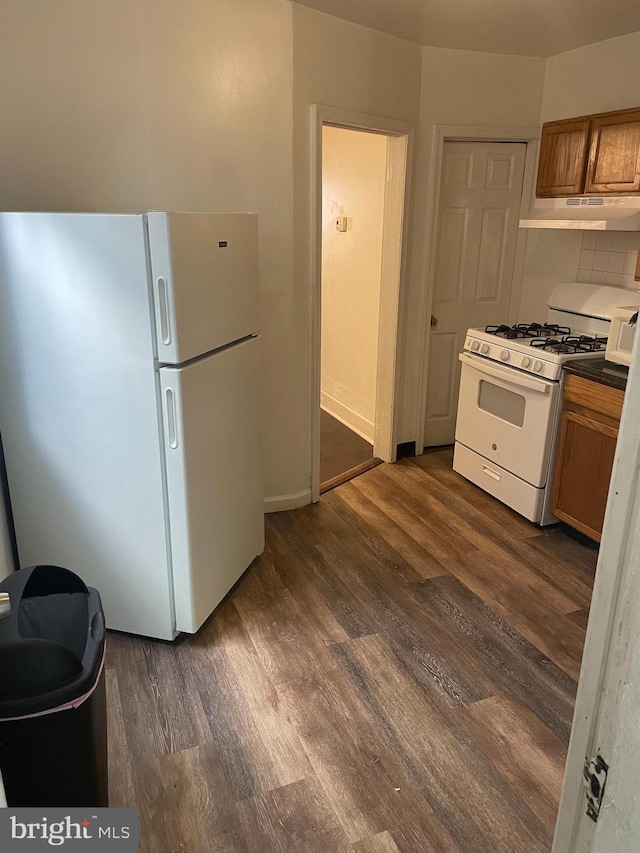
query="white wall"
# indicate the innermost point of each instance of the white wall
(592, 79)
(458, 88)
(550, 257)
(133, 104)
(343, 65)
(353, 185)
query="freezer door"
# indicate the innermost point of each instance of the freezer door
(205, 281)
(214, 477)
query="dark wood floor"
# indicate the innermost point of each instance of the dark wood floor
(341, 449)
(396, 673)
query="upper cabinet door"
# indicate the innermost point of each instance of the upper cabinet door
(614, 155)
(563, 158)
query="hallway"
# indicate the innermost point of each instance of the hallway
(341, 450)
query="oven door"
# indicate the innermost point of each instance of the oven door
(507, 416)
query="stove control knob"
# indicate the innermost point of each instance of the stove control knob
(475, 346)
(526, 361)
(484, 349)
(504, 355)
(537, 366)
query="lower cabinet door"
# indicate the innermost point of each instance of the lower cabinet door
(582, 473)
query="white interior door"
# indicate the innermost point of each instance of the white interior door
(214, 476)
(480, 192)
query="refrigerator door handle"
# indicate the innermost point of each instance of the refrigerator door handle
(163, 309)
(172, 419)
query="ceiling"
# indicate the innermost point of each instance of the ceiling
(523, 27)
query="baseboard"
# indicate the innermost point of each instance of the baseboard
(347, 416)
(279, 503)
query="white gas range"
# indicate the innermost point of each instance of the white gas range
(509, 402)
(538, 348)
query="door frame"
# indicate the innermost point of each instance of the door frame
(460, 133)
(393, 272)
(612, 629)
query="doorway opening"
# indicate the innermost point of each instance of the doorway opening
(360, 181)
(353, 186)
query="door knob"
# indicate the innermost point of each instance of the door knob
(434, 321)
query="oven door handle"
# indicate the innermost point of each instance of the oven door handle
(520, 380)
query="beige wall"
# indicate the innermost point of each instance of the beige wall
(124, 105)
(595, 78)
(353, 185)
(370, 72)
(118, 105)
(130, 104)
(352, 68)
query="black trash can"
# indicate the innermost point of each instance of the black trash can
(53, 722)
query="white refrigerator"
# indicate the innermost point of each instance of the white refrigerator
(129, 406)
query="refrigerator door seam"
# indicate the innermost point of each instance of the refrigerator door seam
(196, 358)
(161, 435)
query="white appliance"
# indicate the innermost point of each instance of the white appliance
(129, 405)
(509, 402)
(586, 213)
(622, 334)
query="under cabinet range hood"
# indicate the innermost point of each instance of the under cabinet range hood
(592, 213)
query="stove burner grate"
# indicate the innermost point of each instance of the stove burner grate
(571, 344)
(503, 331)
(527, 330)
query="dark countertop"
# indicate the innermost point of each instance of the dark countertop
(600, 370)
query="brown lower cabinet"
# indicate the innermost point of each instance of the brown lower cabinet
(584, 459)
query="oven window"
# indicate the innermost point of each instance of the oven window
(501, 403)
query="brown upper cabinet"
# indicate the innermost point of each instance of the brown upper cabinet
(563, 157)
(614, 154)
(590, 155)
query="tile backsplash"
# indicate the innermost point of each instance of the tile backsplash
(609, 257)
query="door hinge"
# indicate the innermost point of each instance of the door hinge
(594, 778)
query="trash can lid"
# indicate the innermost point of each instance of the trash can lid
(52, 642)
